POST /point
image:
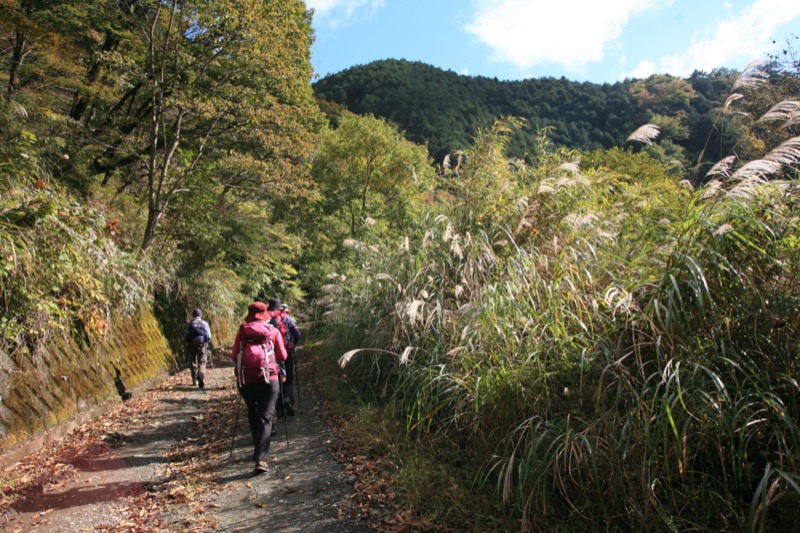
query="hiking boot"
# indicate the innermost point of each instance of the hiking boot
(261, 467)
(201, 383)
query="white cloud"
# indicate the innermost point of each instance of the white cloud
(572, 33)
(643, 70)
(336, 12)
(745, 36)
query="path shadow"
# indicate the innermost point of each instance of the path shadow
(101, 457)
(37, 501)
(224, 362)
(237, 476)
(186, 402)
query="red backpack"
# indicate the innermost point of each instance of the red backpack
(280, 323)
(256, 358)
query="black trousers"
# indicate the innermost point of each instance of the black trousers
(260, 399)
(288, 385)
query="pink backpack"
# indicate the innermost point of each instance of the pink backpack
(256, 359)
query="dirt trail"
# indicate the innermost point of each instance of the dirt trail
(163, 462)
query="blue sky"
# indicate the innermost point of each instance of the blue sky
(584, 40)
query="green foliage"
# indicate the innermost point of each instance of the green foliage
(370, 182)
(367, 171)
(188, 125)
(663, 95)
(60, 268)
(173, 89)
(619, 346)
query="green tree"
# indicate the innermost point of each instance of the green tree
(172, 95)
(663, 94)
(371, 183)
(443, 109)
(224, 95)
(368, 171)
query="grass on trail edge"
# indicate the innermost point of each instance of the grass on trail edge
(417, 482)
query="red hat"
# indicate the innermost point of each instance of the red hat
(257, 311)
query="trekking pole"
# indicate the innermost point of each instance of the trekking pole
(235, 423)
(297, 381)
(285, 416)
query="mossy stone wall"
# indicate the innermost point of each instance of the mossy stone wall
(70, 377)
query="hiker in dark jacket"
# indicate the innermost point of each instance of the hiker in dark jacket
(198, 335)
(291, 338)
(257, 350)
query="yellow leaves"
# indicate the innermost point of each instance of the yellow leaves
(178, 495)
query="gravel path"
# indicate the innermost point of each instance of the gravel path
(304, 487)
(109, 483)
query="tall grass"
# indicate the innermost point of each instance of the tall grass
(620, 347)
(61, 270)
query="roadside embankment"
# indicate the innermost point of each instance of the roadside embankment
(69, 380)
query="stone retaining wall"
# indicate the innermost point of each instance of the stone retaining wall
(72, 380)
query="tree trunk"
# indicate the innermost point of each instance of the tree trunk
(18, 53)
(150, 229)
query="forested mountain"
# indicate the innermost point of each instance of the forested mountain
(444, 109)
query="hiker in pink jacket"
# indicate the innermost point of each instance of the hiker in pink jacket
(257, 349)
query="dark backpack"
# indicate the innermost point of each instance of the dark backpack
(280, 323)
(197, 333)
